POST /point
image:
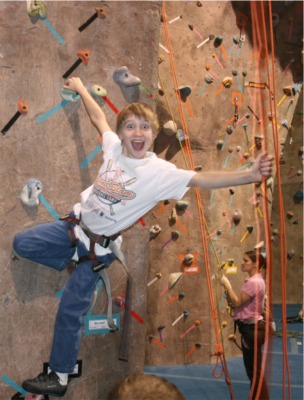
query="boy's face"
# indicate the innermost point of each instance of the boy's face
(136, 136)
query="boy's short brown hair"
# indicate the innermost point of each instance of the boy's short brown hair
(148, 387)
(140, 110)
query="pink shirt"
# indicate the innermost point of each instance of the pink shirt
(253, 308)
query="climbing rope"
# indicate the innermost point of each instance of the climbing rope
(219, 349)
(260, 47)
(260, 40)
(283, 243)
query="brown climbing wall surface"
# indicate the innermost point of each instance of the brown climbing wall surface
(52, 143)
(292, 188)
(220, 142)
(54, 150)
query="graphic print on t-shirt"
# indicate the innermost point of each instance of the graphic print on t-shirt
(110, 187)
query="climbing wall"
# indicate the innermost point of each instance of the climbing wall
(53, 142)
(228, 111)
(291, 161)
(49, 138)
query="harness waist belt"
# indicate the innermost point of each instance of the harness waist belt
(103, 240)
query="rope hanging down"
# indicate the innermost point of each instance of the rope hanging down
(260, 39)
(219, 348)
(261, 47)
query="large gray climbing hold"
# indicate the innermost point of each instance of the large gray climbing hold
(123, 77)
(128, 83)
(30, 193)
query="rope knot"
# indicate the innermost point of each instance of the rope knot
(219, 349)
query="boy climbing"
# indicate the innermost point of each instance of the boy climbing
(130, 182)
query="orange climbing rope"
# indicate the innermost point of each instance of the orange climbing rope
(261, 42)
(283, 245)
(263, 45)
(258, 48)
(219, 349)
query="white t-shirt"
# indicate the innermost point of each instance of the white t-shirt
(126, 189)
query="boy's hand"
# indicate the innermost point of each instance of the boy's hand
(262, 167)
(74, 84)
(94, 111)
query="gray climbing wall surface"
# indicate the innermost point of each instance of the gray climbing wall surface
(55, 143)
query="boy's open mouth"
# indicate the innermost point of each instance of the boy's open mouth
(138, 145)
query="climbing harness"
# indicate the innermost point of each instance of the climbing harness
(97, 266)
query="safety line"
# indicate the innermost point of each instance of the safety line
(283, 252)
(219, 349)
(256, 42)
(283, 241)
(283, 245)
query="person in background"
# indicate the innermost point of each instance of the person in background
(249, 317)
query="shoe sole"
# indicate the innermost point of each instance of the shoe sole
(33, 390)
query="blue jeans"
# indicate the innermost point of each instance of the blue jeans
(50, 244)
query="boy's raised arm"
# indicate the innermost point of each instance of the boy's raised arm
(95, 113)
(218, 179)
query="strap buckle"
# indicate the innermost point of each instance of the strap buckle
(98, 267)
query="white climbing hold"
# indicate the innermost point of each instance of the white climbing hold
(30, 193)
(98, 91)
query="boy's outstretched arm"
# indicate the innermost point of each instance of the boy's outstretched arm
(218, 179)
(95, 113)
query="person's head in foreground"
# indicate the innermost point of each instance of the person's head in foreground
(145, 387)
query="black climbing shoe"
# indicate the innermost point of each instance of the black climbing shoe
(45, 384)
